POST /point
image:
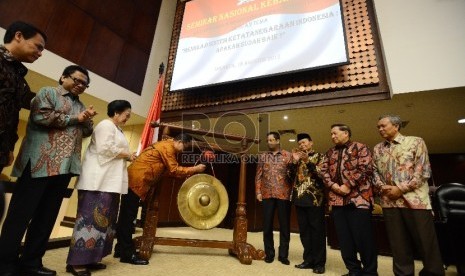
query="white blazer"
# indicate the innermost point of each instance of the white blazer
(101, 170)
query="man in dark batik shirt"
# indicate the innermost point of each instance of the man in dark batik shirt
(308, 197)
(347, 172)
(23, 43)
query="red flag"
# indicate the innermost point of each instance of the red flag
(150, 134)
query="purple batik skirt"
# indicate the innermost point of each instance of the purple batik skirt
(94, 229)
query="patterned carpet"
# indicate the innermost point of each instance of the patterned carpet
(175, 260)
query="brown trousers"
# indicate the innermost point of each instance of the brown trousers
(409, 232)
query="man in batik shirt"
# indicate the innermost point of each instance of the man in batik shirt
(50, 155)
(273, 189)
(145, 172)
(347, 173)
(402, 170)
(23, 43)
(307, 196)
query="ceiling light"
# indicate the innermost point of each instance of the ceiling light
(285, 117)
(291, 140)
(461, 121)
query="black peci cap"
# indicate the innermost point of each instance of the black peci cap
(301, 136)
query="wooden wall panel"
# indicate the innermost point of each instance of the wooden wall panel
(33, 11)
(150, 7)
(109, 56)
(363, 79)
(168, 213)
(116, 15)
(132, 67)
(448, 168)
(138, 35)
(111, 38)
(70, 34)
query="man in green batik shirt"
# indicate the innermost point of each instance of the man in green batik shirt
(50, 155)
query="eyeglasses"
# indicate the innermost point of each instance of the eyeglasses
(79, 82)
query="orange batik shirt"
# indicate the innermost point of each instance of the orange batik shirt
(155, 161)
(272, 176)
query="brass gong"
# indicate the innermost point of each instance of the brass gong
(202, 201)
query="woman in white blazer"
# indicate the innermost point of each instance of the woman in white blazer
(103, 179)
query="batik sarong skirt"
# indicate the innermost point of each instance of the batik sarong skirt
(94, 229)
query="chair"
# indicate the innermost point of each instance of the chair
(451, 206)
(451, 201)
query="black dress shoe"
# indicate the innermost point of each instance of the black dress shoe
(96, 266)
(32, 271)
(269, 259)
(319, 270)
(70, 269)
(134, 259)
(304, 265)
(284, 261)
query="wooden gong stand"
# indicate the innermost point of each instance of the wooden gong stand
(238, 247)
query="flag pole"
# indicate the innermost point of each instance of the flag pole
(149, 134)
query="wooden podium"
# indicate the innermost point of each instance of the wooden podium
(238, 246)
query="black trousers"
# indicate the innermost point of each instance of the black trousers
(312, 230)
(284, 217)
(34, 207)
(126, 224)
(407, 229)
(355, 234)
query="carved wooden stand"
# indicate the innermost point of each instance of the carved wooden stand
(238, 247)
